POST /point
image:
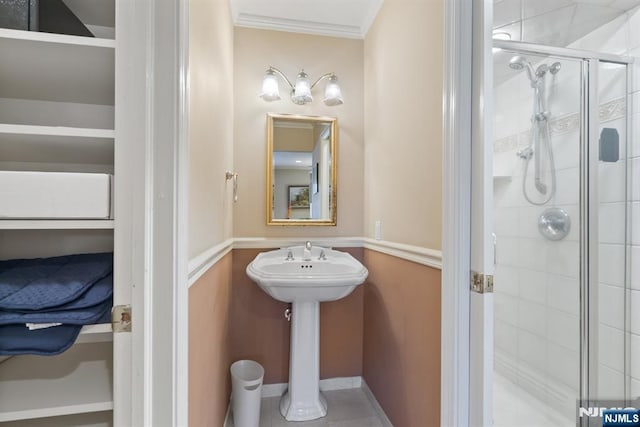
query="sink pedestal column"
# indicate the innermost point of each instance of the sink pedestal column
(303, 400)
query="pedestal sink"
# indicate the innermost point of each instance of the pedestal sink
(305, 276)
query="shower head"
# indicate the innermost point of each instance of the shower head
(519, 62)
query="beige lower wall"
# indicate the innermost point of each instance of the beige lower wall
(387, 330)
(259, 331)
(209, 358)
(402, 339)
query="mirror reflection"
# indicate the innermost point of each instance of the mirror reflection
(301, 179)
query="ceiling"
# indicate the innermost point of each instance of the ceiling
(292, 160)
(338, 18)
(550, 22)
(555, 22)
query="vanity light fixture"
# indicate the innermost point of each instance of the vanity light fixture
(301, 90)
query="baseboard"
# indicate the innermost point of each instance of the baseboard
(343, 383)
(374, 402)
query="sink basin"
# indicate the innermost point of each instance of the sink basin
(306, 275)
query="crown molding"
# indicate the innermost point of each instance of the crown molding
(298, 26)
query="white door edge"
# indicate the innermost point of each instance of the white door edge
(457, 97)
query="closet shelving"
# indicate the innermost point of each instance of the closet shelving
(57, 115)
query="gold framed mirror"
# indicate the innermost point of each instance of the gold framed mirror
(301, 170)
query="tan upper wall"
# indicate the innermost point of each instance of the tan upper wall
(210, 123)
(403, 122)
(255, 50)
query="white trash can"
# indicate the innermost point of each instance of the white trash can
(246, 383)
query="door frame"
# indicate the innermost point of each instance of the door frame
(456, 212)
(151, 367)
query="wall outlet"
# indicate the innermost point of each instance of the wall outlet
(378, 232)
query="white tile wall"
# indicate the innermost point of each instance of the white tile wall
(532, 253)
(611, 265)
(635, 313)
(506, 337)
(506, 221)
(635, 221)
(563, 258)
(611, 347)
(563, 365)
(506, 308)
(563, 293)
(543, 276)
(533, 286)
(532, 350)
(610, 305)
(634, 171)
(610, 383)
(611, 182)
(532, 317)
(508, 279)
(635, 271)
(563, 329)
(611, 219)
(507, 251)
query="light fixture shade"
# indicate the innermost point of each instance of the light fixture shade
(270, 90)
(332, 93)
(302, 91)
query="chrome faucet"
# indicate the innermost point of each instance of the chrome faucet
(289, 256)
(307, 251)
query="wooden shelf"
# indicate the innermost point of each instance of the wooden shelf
(50, 132)
(53, 224)
(95, 333)
(52, 144)
(56, 67)
(76, 381)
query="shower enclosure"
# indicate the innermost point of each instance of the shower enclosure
(562, 318)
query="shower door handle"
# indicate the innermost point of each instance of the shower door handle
(495, 248)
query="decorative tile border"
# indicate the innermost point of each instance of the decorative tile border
(607, 112)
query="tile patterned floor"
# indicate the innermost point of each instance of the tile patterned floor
(346, 408)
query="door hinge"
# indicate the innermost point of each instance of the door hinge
(121, 318)
(481, 283)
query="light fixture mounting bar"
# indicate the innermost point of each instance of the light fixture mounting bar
(281, 74)
(322, 77)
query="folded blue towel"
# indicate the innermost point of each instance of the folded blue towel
(79, 316)
(36, 284)
(18, 339)
(94, 295)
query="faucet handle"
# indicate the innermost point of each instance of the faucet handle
(289, 256)
(322, 256)
(307, 245)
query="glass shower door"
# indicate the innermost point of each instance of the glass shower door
(538, 137)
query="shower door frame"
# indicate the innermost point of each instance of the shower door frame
(589, 200)
(589, 241)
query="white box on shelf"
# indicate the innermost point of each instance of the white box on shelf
(54, 195)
